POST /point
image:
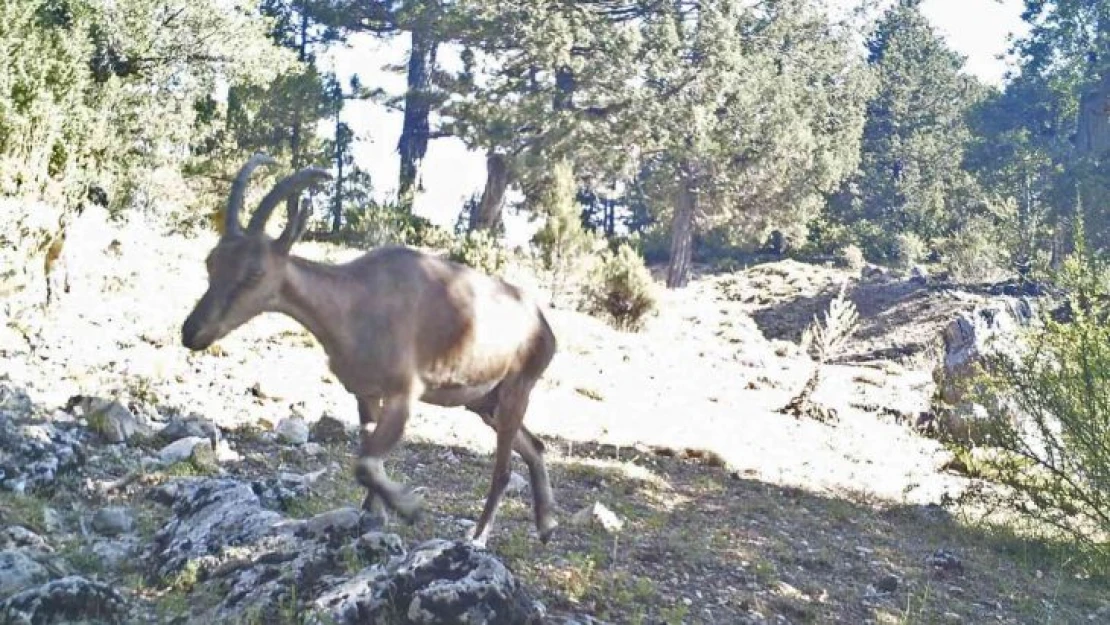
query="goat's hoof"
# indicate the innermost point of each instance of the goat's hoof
(546, 528)
(374, 515)
(410, 507)
(478, 542)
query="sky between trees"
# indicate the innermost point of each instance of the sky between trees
(978, 29)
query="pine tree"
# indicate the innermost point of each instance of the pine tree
(910, 179)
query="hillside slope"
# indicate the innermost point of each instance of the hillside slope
(804, 522)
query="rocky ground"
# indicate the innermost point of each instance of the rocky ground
(157, 485)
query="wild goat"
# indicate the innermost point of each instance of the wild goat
(398, 326)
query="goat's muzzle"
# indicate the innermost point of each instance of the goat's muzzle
(191, 336)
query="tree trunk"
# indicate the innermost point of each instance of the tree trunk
(682, 235)
(1093, 136)
(488, 215)
(413, 144)
(295, 139)
(337, 200)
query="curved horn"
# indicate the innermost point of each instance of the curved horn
(239, 189)
(294, 183)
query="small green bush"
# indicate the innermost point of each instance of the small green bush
(825, 236)
(383, 224)
(480, 250)
(1048, 449)
(909, 249)
(620, 289)
(973, 254)
(851, 257)
(563, 245)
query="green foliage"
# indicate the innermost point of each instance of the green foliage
(826, 236)
(480, 250)
(372, 225)
(1042, 141)
(620, 289)
(974, 253)
(762, 136)
(562, 239)
(1049, 443)
(910, 178)
(563, 244)
(851, 257)
(909, 249)
(100, 96)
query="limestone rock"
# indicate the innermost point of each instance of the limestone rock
(182, 449)
(18, 570)
(919, 275)
(71, 599)
(438, 582)
(113, 520)
(191, 426)
(292, 430)
(33, 451)
(208, 514)
(989, 331)
(112, 421)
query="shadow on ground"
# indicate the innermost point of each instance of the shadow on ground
(900, 320)
(701, 545)
(698, 544)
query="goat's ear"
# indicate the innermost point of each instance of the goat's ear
(295, 229)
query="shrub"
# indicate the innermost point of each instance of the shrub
(563, 244)
(873, 239)
(973, 254)
(481, 250)
(825, 236)
(851, 257)
(383, 224)
(909, 249)
(1048, 418)
(620, 289)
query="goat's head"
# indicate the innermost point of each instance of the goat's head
(246, 268)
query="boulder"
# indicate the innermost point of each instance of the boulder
(191, 426)
(292, 430)
(972, 339)
(183, 449)
(111, 420)
(438, 582)
(19, 570)
(72, 599)
(113, 520)
(33, 450)
(919, 275)
(259, 561)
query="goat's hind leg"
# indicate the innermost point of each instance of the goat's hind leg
(531, 449)
(373, 447)
(512, 402)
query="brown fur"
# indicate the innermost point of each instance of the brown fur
(398, 326)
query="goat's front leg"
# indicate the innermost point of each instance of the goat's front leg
(374, 445)
(368, 407)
